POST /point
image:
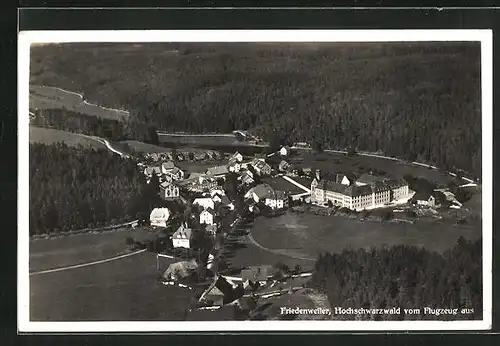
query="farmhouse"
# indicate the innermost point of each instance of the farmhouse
(341, 190)
(169, 169)
(261, 167)
(169, 190)
(219, 293)
(152, 170)
(283, 166)
(205, 202)
(257, 274)
(159, 217)
(285, 151)
(277, 201)
(211, 230)
(207, 217)
(237, 157)
(260, 192)
(234, 166)
(182, 237)
(425, 199)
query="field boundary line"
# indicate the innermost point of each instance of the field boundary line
(87, 264)
(276, 252)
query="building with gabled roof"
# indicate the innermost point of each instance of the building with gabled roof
(279, 200)
(159, 217)
(365, 193)
(205, 202)
(217, 171)
(169, 190)
(207, 217)
(182, 237)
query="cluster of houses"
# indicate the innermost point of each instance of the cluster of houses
(206, 192)
(183, 156)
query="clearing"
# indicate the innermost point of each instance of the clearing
(81, 248)
(307, 235)
(49, 136)
(46, 97)
(124, 289)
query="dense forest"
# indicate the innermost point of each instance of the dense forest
(420, 101)
(74, 188)
(406, 277)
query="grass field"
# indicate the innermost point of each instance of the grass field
(49, 136)
(45, 97)
(332, 162)
(124, 289)
(81, 248)
(310, 235)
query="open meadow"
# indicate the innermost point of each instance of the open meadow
(49, 136)
(124, 289)
(46, 97)
(307, 235)
(81, 248)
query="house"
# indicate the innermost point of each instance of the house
(285, 151)
(211, 230)
(256, 274)
(155, 157)
(425, 199)
(152, 170)
(217, 198)
(283, 166)
(246, 177)
(260, 192)
(261, 167)
(182, 237)
(234, 166)
(217, 191)
(176, 174)
(205, 202)
(217, 171)
(207, 217)
(237, 157)
(166, 167)
(277, 201)
(169, 190)
(218, 293)
(159, 217)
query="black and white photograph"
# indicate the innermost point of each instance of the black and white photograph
(255, 180)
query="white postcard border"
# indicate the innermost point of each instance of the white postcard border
(27, 38)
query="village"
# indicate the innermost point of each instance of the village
(200, 210)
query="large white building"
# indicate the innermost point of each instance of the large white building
(365, 193)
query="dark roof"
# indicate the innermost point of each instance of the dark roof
(422, 196)
(379, 186)
(355, 191)
(330, 185)
(221, 288)
(368, 178)
(395, 183)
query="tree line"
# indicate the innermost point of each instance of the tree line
(76, 187)
(418, 101)
(403, 276)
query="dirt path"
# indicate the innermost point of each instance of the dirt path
(87, 264)
(278, 252)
